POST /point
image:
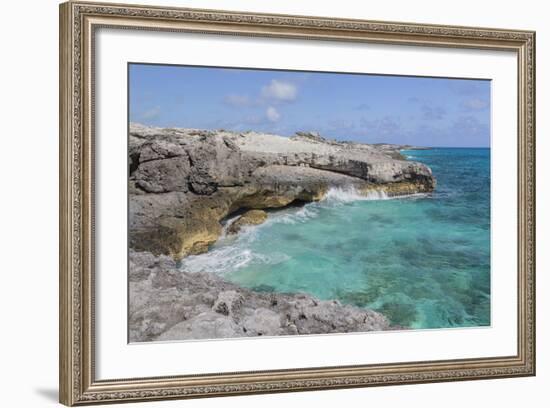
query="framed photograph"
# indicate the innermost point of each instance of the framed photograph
(255, 203)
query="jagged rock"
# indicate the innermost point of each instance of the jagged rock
(170, 304)
(183, 182)
(263, 321)
(310, 136)
(228, 302)
(251, 217)
(163, 176)
(206, 325)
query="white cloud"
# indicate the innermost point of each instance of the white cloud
(152, 113)
(237, 100)
(280, 91)
(272, 114)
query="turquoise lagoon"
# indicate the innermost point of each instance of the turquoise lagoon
(423, 261)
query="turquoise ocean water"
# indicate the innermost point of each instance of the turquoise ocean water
(423, 261)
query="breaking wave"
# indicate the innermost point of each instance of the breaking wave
(350, 194)
(233, 252)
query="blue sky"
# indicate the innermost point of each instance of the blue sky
(362, 108)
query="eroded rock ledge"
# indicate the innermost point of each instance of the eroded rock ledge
(170, 304)
(183, 182)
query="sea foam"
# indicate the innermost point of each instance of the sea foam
(233, 252)
(350, 194)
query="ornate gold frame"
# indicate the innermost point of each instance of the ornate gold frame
(78, 22)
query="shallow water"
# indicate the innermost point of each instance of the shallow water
(423, 261)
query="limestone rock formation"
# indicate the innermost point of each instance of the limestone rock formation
(170, 304)
(184, 182)
(251, 217)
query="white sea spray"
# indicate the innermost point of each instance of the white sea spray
(233, 252)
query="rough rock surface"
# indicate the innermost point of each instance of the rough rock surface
(394, 151)
(169, 304)
(251, 217)
(183, 182)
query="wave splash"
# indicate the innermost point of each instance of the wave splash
(350, 194)
(233, 252)
(335, 196)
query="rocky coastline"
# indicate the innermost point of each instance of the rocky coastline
(185, 183)
(169, 304)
